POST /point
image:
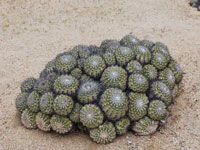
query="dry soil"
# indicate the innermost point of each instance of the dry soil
(32, 32)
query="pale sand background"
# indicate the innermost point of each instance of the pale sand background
(32, 32)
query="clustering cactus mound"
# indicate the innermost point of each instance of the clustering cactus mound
(195, 3)
(104, 91)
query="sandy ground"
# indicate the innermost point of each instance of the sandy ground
(32, 32)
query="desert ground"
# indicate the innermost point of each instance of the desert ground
(32, 32)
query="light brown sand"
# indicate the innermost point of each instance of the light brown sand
(32, 32)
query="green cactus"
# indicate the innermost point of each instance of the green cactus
(33, 101)
(129, 41)
(178, 73)
(147, 43)
(76, 72)
(21, 101)
(42, 86)
(108, 43)
(112, 47)
(124, 55)
(143, 54)
(75, 114)
(63, 105)
(104, 90)
(91, 116)
(159, 60)
(109, 59)
(80, 63)
(46, 103)
(85, 78)
(114, 103)
(43, 121)
(161, 48)
(167, 76)
(138, 106)
(122, 125)
(52, 77)
(65, 63)
(95, 49)
(157, 110)
(28, 85)
(138, 83)
(114, 76)
(161, 91)
(145, 126)
(66, 84)
(94, 66)
(51, 66)
(80, 51)
(88, 92)
(28, 119)
(134, 67)
(150, 72)
(61, 124)
(104, 133)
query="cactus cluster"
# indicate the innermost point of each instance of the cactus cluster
(195, 3)
(103, 91)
